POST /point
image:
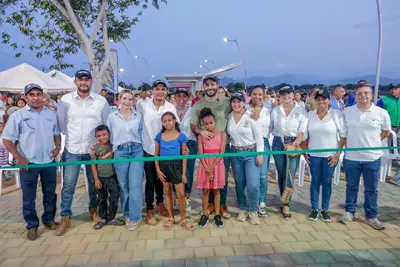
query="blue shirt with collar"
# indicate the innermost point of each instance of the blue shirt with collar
(337, 104)
(35, 133)
(124, 131)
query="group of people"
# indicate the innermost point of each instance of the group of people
(214, 124)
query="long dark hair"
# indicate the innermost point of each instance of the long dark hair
(254, 88)
(168, 113)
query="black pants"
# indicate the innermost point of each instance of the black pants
(152, 182)
(109, 191)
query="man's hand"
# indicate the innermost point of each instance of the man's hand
(22, 161)
(97, 183)
(54, 153)
(206, 134)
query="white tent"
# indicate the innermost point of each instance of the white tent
(15, 79)
(61, 77)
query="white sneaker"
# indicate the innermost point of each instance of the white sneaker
(176, 204)
(347, 218)
(262, 211)
(254, 218)
(127, 222)
(132, 226)
(188, 205)
(242, 216)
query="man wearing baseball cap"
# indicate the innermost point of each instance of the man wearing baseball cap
(78, 114)
(36, 128)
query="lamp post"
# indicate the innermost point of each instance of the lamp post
(379, 57)
(210, 61)
(202, 66)
(130, 55)
(244, 62)
(148, 66)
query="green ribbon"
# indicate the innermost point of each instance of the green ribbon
(197, 156)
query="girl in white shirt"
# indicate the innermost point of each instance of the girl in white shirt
(246, 136)
(289, 123)
(325, 126)
(261, 114)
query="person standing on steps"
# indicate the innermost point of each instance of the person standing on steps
(38, 133)
(221, 108)
(79, 113)
(152, 109)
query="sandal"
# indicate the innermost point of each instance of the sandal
(187, 225)
(99, 225)
(285, 212)
(168, 223)
(116, 222)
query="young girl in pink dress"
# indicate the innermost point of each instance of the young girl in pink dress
(211, 173)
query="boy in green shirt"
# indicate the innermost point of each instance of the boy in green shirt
(105, 179)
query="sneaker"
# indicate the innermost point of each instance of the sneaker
(188, 205)
(242, 216)
(254, 218)
(375, 223)
(127, 222)
(176, 204)
(132, 226)
(32, 233)
(313, 215)
(347, 218)
(262, 211)
(218, 221)
(203, 221)
(325, 216)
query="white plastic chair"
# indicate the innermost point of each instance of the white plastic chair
(302, 170)
(336, 174)
(386, 159)
(17, 177)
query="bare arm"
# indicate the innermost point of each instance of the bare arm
(184, 161)
(200, 150)
(156, 154)
(385, 134)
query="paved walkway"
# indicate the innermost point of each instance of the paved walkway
(297, 241)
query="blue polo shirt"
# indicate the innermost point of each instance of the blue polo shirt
(35, 133)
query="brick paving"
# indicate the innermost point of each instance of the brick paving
(275, 242)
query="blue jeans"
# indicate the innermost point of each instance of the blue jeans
(284, 179)
(29, 181)
(370, 172)
(224, 191)
(71, 173)
(130, 180)
(264, 173)
(192, 145)
(321, 174)
(246, 174)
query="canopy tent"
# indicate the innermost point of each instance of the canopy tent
(61, 77)
(15, 79)
(194, 82)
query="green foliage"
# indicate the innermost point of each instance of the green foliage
(51, 33)
(144, 87)
(235, 86)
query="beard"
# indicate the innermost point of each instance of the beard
(211, 93)
(84, 90)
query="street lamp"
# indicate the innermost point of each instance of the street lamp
(244, 62)
(201, 66)
(379, 58)
(210, 61)
(121, 70)
(147, 64)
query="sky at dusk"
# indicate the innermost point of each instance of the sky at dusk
(328, 38)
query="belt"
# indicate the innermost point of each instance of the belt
(243, 148)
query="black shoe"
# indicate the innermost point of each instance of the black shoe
(313, 215)
(218, 221)
(203, 221)
(32, 233)
(325, 216)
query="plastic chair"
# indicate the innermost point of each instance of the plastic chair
(17, 177)
(336, 174)
(302, 170)
(386, 159)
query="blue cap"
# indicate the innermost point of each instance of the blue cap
(81, 73)
(182, 91)
(393, 85)
(159, 82)
(30, 87)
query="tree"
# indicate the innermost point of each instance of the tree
(144, 87)
(60, 27)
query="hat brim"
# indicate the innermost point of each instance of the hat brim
(182, 92)
(83, 75)
(237, 97)
(163, 83)
(37, 88)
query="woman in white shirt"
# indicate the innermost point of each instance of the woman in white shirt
(289, 123)
(184, 112)
(246, 136)
(325, 126)
(260, 113)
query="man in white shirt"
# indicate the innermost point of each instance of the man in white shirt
(152, 109)
(78, 114)
(367, 126)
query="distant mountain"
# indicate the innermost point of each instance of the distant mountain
(299, 79)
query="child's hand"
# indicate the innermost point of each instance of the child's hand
(161, 176)
(184, 178)
(98, 184)
(186, 151)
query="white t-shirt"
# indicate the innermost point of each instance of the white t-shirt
(152, 124)
(325, 133)
(364, 130)
(245, 133)
(288, 126)
(185, 125)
